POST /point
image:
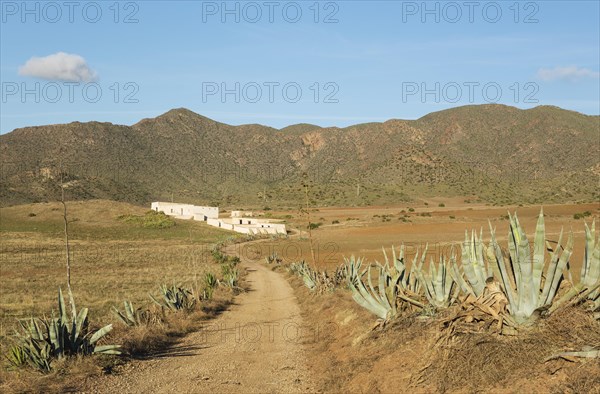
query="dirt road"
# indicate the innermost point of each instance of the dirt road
(254, 347)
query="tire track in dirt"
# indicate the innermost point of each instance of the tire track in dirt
(250, 348)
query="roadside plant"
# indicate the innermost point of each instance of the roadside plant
(589, 281)
(175, 298)
(440, 288)
(352, 267)
(379, 299)
(210, 283)
(308, 275)
(273, 258)
(473, 272)
(230, 275)
(408, 278)
(590, 269)
(41, 341)
(528, 289)
(134, 317)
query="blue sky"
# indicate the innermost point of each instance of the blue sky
(373, 60)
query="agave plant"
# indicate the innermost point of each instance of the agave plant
(589, 281)
(473, 266)
(339, 276)
(352, 267)
(175, 298)
(522, 273)
(43, 340)
(380, 301)
(273, 258)
(308, 275)
(230, 275)
(17, 357)
(440, 288)
(134, 317)
(408, 279)
(590, 270)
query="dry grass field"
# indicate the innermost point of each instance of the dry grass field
(112, 260)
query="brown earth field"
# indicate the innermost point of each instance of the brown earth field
(363, 231)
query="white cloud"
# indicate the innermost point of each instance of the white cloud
(59, 66)
(569, 73)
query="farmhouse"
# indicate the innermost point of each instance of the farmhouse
(238, 222)
(186, 211)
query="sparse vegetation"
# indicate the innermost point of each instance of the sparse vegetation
(151, 219)
(582, 215)
(314, 226)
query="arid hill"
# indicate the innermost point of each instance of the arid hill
(493, 153)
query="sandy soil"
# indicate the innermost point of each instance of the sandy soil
(254, 347)
(361, 231)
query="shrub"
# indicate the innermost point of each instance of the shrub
(314, 226)
(441, 205)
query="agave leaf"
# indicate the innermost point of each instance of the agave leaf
(562, 262)
(495, 254)
(538, 251)
(552, 267)
(100, 333)
(62, 310)
(108, 349)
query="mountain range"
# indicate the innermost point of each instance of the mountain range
(490, 153)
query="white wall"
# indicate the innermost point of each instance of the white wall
(176, 209)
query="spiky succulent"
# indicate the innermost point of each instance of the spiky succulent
(529, 291)
(590, 269)
(380, 299)
(308, 275)
(43, 340)
(230, 275)
(408, 281)
(473, 272)
(352, 267)
(175, 298)
(440, 288)
(133, 317)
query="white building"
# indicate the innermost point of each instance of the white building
(239, 214)
(244, 225)
(186, 211)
